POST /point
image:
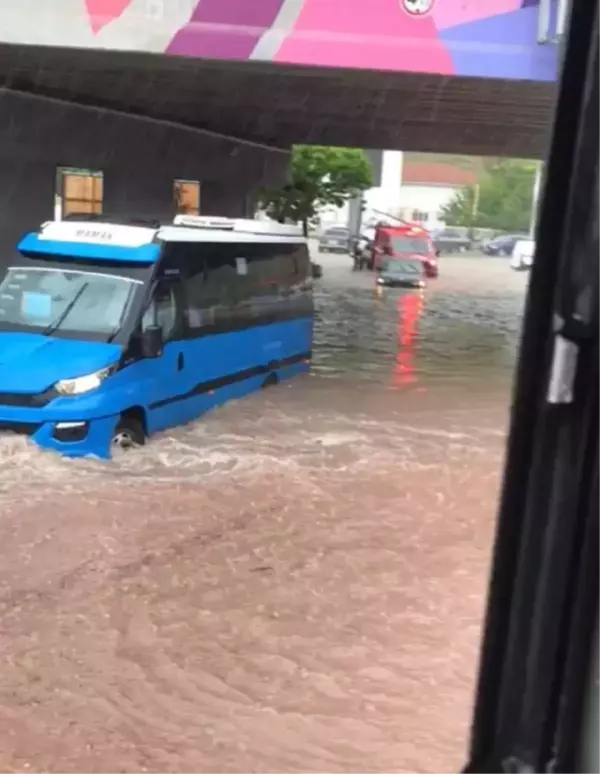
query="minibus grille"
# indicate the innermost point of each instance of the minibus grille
(27, 400)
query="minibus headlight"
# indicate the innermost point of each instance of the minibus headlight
(85, 383)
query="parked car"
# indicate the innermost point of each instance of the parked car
(335, 239)
(522, 256)
(451, 240)
(502, 245)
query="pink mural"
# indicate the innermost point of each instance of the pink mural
(493, 38)
(378, 34)
(102, 12)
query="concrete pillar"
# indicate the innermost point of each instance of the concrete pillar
(354, 213)
(386, 196)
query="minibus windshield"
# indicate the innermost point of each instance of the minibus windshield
(55, 300)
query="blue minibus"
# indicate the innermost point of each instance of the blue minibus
(110, 332)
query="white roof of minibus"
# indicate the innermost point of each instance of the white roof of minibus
(197, 228)
(186, 228)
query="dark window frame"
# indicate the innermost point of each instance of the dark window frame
(542, 609)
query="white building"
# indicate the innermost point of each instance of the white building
(386, 197)
(415, 190)
(426, 187)
(412, 190)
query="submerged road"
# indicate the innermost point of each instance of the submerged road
(294, 582)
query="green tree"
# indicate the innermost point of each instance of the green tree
(320, 176)
(460, 210)
(502, 200)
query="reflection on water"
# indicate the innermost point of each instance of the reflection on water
(295, 582)
(443, 334)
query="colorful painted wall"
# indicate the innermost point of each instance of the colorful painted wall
(489, 38)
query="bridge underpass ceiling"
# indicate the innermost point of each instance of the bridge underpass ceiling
(278, 105)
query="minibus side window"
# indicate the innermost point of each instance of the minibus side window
(285, 267)
(262, 279)
(196, 300)
(302, 263)
(216, 282)
(162, 309)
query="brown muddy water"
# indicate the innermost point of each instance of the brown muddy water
(293, 583)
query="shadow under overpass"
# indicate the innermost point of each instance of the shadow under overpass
(278, 105)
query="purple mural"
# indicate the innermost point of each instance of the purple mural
(225, 29)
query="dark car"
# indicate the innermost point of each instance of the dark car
(335, 240)
(502, 245)
(401, 273)
(451, 240)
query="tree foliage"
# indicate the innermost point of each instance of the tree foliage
(504, 200)
(320, 176)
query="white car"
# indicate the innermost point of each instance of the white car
(522, 255)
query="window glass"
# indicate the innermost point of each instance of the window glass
(286, 266)
(404, 244)
(186, 194)
(222, 280)
(221, 277)
(78, 191)
(64, 300)
(162, 309)
(302, 262)
(217, 280)
(262, 270)
(196, 299)
(405, 266)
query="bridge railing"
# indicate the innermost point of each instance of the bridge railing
(552, 20)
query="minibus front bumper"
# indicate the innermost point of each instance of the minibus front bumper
(61, 430)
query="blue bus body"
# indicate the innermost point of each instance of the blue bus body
(234, 314)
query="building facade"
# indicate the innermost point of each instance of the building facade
(426, 187)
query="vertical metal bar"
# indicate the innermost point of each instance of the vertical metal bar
(562, 12)
(543, 26)
(535, 202)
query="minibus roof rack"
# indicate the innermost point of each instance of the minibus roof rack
(241, 225)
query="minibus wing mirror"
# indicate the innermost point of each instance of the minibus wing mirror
(152, 341)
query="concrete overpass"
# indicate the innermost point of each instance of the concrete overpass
(148, 91)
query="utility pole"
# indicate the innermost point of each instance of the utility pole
(355, 212)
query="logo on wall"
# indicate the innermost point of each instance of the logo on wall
(417, 7)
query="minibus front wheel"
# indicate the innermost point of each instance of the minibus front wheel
(128, 433)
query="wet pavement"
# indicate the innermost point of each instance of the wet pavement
(293, 583)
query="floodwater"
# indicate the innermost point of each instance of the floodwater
(295, 582)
